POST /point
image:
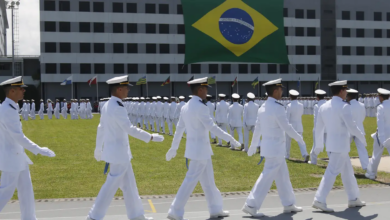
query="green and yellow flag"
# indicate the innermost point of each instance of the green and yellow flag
(211, 80)
(141, 81)
(234, 31)
(255, 82)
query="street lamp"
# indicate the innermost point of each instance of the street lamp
(13, 5)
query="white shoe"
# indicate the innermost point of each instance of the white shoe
(321, 206)
(173, 217)
(251, 211)
(356, 203)
(142, 217)
(220, 215)
(369, 176)
(312, 163)
(292, 208)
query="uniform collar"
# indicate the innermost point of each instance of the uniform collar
(10, 101)
(385, 101)
(337, 98)
(114, 98)
(194, 97)
(271, 99)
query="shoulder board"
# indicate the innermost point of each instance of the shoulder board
(202, 102)
(279, 103)
(12, 106)
(346, 102)
(119, 103)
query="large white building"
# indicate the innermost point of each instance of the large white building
(326, 41)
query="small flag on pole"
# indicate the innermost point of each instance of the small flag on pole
(141, 81)
(255, 82)
(68, 81)
(234, 82)
(316, 86)
(211, 80)
(92, 81)
(167, 81)
(299, 82)
(192, 78)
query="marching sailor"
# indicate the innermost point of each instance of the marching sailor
(41, 109)
(171, 119)
(32, 111)
(321, 100)
(49, 109)
(221, 113)
(211, 107)
(250, 115)
(235, 114)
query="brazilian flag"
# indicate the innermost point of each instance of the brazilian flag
(234, 31)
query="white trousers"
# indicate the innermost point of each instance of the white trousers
(362, 151)
(223, 126)
(170, 127)
(313, 156)
(275, 168)
(159, 123)
(41, 114)
(120, 176)
(25, 115)
(151, 122)
(49, 114)
(367, 112)
(247, 130)
(32, 115)
(239, 132)
(198, 171)
(175, 121)
(373, 163)
(64, 114)
(146, 120)
(372, 112)
(22, 182)
(338, 163)
(302, 146)
(162, 124)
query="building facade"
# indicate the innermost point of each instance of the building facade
(146, 38)
(3, 28)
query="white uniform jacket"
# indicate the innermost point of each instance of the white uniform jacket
(294, 113)
(159, 109)
(178, 109)
(172, 109)
(250, 113)
(221, 112)
(383, 121)
(211, 107)
(358, 114)
(166, 110)
(235, 115)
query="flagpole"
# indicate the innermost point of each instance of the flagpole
(258, 87)
(237, 84)
(72, 87)
(216, 89)
(147, 88)
(170, 87)
(97, 90)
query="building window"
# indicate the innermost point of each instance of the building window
(285, 12)
(346, 32)
(182, 68)
(347, 69)
(311, 14)
(132, 28)
(299, 13)
(272, 68)
(98, 48)
(388, 16)
(100, 68)
(64, 6)
(132, 68)
(299, 50)
(163, 28)
(299, 31)
(98, 7)
(179, 9)
(50, 47)
(150, 28)
(119, 48)
(85, 48)
(345, 15)
(151, 48)
(311, 32)
(226, 68)
(49, 5)
(213, 68)
(98, 27)
(388, 68)
(300, 68)
(64, 26)
(163, 9)
(117, 27)
(195, 68)
(85, 68)
(388, 51)
(132, 48)
(378, 51)
(64, 47)
(151, 68)
(377, 16)
(181, 29)
(346, 51)
(181, 48)
(311, 68)
(388, 33)
(65, 68)
(311, 50)
(360, 33)
(131, 8)
(360, 51)
(360, 69)
(243, 68)
(119, 68)
(165, 69)
(117, 7)
(283, 68)
(50, 26)
(255, 68)
(164, 48)
(150, 8)
(84, 7)
(377, 33)
(378, 69)
(285, 31)
(360, 15)
(84, 27)
(51, 67)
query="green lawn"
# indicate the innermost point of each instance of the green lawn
(75, 173)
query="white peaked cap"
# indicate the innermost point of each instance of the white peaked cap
(190, 96)
(158, 97)
(202, 81)
(142, 98)
(383, 91)
(181, 97)
(277, 82)
(222, 95)
(165, 98)
(320, 92)
(17, 81)
(352, 91)
(235, 96)
(250, 95)
(154, 98)
(119, 80)
(266, 94)
(293, 92)
(339, 83)
(209, 96)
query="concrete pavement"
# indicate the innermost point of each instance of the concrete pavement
(377, 198)
(384, 165)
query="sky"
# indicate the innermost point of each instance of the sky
(29, 34)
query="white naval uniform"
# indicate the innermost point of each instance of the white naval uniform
(235, 114)
(195, 118)
(313, 156)
(211, 107)
(49, 110)
(112, 138)
(250, 115)
(294, 116)
(57, 110)
(172, 109)
(89, 110)
(152, 115)
(371, 104)
(159, 115)
(380, 136)
(24, 110)
(165, 115)
(271, 125)
(221, 119)
(358, 115)
(335, 117)
(14, 163)
(64, 111)
(41, 109)
(366, 106)
(140, 109)
(32, 111)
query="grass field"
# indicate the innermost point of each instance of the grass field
(75, 173)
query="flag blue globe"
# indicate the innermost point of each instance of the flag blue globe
(236, 25)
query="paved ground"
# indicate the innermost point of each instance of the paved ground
(384, 165)
(377, 198)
